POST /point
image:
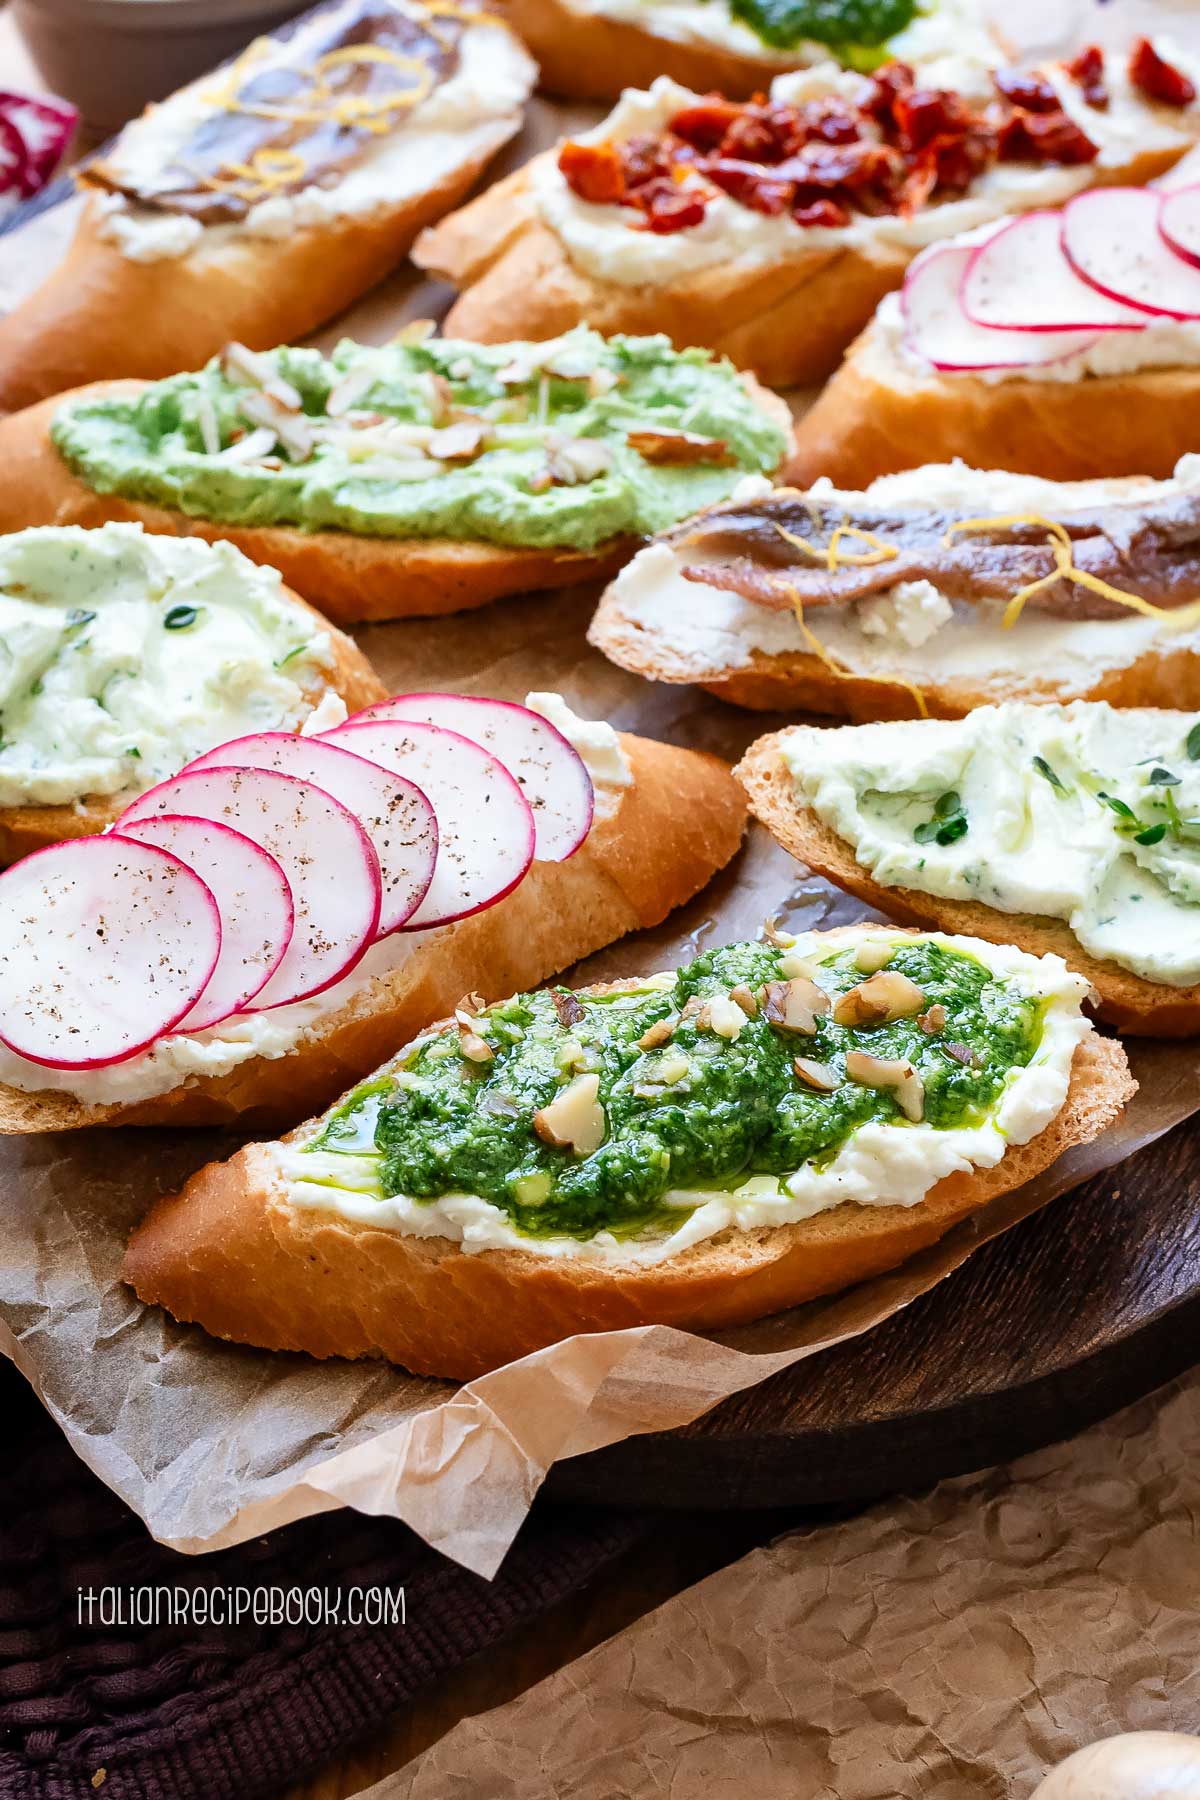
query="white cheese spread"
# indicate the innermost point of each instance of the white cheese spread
(878, 1165)
(464, 120)
(124, 655)
(1081, 813)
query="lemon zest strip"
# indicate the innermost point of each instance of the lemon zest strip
(837, 669)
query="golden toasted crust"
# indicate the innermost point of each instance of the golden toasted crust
(1131, 1004)
(352, 579)
(99, 314)
(876, 416)
(680, 821)
(231, 1254)
(789, 322)
(796, 680)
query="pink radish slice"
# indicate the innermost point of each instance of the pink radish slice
(485, 826)
(253, 898)
(105, 944)
(14, 163)
(392, 811)
(45, 127)
(549, 771)
(939, 331)
(1179, 222)
(1111, 238)
(1020, 280)
(322, 849)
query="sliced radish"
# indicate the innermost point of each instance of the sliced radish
(549, 771)
(322, 849)
(14, 164)
(392, 810)
(940, 332)
(105, 944)
(253, 897)
(45, 127)
(485, 826)
(1112, 239)
(1179, 222)
(1020, 280)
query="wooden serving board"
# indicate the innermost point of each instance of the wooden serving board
(1084, 1307)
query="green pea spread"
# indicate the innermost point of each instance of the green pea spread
(569, 444)
(696, 1111)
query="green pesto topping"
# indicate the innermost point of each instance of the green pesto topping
(855, 30)
(698, 1110)
(535, 445)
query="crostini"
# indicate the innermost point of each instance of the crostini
(127, 655)
(1061, 344)
(263, 928)
(593, 49)
(422, 477)
(934, 591)
(770, 230)
(262, 199)
(1066, 829)
(771, 1122)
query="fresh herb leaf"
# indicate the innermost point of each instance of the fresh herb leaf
(926, 832)
(842, 24)
(1118, 806)
(1154, 834)
(1043, 768)
(953, 829)
(79, 615)
(949, 821)
(1193, 742)
(947, 806)
(180, 617)
(1161, 777)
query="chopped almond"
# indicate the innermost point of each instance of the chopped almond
(460, 442)
(677, 447)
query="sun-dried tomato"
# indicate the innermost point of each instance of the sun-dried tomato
(644, 157)
(881, 92)
(1056, 138)
(595, 172)
(751, 185)
(759, 134)
(706, 123)
(1087, 71)
(828, 119)
(926, 113)
(1032, 93)
(1157, 78)
(826, 212)
(669, 207)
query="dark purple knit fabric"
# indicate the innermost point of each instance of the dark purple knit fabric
(238, 1712)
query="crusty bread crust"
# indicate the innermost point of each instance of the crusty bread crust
(877, 416)
(789, 322)
(99, 314)
(229, 1253)
(352, 579)
(1129, 1003)
(680, 821)
(797, 680)
(26, 828)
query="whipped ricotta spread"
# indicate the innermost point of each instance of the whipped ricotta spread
(893, 1163)
(911, 633)
(942, 28)
(465, 119)
(124, 655)
(181, 1058)
(1081, 813)
(603, 242)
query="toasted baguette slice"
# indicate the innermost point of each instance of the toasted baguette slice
(667, 834)
(666, 628)
(1129, 1003)
(229, 1253)
(788, 323)
(352, 579)
(880, 414)
(101, 314)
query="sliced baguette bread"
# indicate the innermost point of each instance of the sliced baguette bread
(667, 834)
(1126, 1001)
(231, 1254)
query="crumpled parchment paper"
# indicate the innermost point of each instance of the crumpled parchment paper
(951, 1647)
(213, 1443)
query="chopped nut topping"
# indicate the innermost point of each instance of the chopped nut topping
(692, 1007)
(574, 1119)
(252, 367)
(290, 426)
(933, 1021)
(567, 1007)
(872, 954)
(345, 394)
(474, 1047)
(460, 442)
(888, 995)
(660, 1032)
(962, 1053)
(417, 331)
(570, 461)
(794, 1005)
(674, 1067)
(678, 447)
(894, 1073)
(725, 1016)
(817, 1075)
(745, 999)
(782, 940)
